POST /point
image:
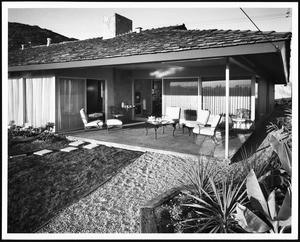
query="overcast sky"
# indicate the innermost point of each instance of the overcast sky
(84, 20)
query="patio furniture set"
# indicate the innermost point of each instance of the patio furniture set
(199, 126)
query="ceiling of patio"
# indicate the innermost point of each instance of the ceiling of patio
(267, 65)
(181, 63)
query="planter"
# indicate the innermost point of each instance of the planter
(149, 220)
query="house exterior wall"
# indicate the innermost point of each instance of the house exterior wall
(123, 91)
(106, 74)
(265, 100)
(119, 83)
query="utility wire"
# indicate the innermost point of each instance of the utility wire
(276, 47)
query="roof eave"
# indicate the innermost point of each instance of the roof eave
(158, 57)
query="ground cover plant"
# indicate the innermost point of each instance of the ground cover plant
(39, 187)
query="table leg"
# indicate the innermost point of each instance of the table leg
(146, 125)
(174, 126)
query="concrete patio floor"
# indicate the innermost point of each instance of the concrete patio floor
(133, 137)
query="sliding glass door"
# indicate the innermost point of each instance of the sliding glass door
(182, 93)
(213, 94)
(71, 98)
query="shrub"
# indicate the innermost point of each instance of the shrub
(270, 197)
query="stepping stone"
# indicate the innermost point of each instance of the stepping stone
(42, 152)
(77, 143)
(15, 156)
(69, 149)
(90, 146)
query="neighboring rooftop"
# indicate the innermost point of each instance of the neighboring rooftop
(160, 40)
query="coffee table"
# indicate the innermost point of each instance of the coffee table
(161, 123)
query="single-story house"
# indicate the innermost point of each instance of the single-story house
(150, 70)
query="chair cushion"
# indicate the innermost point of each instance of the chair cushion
(114, 122)
(203, 116)
(216, 120)
(172, 113)
(196, 130)
(192, 124)
(207, 131)
(94, 123)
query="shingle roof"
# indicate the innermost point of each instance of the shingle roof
(152, 41)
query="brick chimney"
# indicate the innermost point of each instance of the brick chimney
(114, 25)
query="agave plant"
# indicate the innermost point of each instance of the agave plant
(213, 211)
(198, 176)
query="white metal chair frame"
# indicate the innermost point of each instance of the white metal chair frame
(87, 125)
(209, 131)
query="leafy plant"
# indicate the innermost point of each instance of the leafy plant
(265, 214)
(270, 197)
(215, 208)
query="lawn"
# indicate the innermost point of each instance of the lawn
(39, 187)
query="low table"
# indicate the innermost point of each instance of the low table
(156, 124)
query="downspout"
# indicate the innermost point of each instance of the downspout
(227, 109)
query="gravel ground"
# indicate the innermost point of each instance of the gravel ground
(115, 206)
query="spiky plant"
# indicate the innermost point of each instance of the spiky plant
(213, 211)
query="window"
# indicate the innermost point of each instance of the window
(181, 92)
(213, 94)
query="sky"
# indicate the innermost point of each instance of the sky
(85, 20)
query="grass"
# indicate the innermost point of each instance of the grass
(39, 187)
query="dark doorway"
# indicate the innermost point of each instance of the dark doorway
(95, 96)
(156, 97)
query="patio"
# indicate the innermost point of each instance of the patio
(133, 137)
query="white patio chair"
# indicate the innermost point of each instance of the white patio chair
(208, 131)
(172, 114)
(202, 119)
(87, 125)
(171, 117)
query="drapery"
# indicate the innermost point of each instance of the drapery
(16, 100)
(213, 95)
(40, 101)
(181, 92)
(71, 99)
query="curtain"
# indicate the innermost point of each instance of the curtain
(213, 95)
(181, 93)
(16, 101)
(71, 99)
(40, 101)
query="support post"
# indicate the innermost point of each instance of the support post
(227, 109)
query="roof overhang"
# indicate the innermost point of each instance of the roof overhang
(253, 50)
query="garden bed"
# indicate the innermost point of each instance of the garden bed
(39, 187)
